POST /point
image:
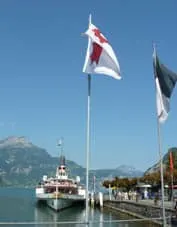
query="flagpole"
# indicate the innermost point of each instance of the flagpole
(161, 171)
(111, 68)
(88, 141)
(160, 153)
(88, 147)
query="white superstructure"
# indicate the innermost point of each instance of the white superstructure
(60, 191)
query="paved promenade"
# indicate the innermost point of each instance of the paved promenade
(145, 209)
(167, 204)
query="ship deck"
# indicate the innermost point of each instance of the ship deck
(45, 196)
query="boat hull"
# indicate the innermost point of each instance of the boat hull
(59, 204)
(60, 201)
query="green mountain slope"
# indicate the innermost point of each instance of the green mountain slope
(24, 164)
(156, 166)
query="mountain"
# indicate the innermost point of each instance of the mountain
(23, 164)
(129, 171)
(156, 166)
(121, 171)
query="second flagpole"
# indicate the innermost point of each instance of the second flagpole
(161, 172)
(160, 151)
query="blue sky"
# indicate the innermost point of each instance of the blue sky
(43, 92)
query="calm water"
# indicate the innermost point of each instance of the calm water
(19, 205)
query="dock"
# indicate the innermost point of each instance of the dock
(144, 209)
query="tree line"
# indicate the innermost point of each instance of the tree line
(153, 179)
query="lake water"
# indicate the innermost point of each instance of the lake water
(19, 205)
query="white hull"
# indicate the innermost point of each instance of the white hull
(59, 204)
(60, 201)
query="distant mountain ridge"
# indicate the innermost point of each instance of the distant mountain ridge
(130, 169)
(24, 164)
(15, 141)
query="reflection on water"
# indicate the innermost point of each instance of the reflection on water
(19, 205)
(77, 214)
(45, 214)
(74, 214)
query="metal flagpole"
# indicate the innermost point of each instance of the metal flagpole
(88, 147)
(161, 172)
(160, 153)
(88, 143)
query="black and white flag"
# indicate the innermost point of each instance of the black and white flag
(165, 81)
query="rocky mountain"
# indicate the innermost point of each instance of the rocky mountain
(24, 164)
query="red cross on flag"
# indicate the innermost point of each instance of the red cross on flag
(100, 57)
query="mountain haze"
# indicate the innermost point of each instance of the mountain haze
(24, 164)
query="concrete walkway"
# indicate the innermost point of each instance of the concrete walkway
(168, 204)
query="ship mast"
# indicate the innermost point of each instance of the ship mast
(61, 157)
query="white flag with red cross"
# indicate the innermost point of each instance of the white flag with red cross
(100, 57)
